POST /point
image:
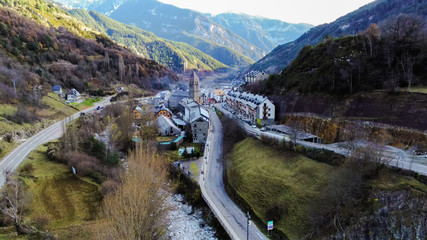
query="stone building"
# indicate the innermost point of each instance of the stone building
(195, 89)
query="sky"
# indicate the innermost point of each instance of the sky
(293, 11)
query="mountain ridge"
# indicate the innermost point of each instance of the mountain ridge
(200, 31)
(349, 24)
(260, 31)
(175, 55)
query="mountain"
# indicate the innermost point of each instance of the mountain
(350, 24)
(182, 25)
(103, 6)
(175, 55)
(389, 57)
(262, 32)
(49, 47)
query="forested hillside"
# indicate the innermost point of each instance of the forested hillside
(52, 55)
(389, 56)
(182, 25)
(37, 54)
(350, 24)
(175, 55)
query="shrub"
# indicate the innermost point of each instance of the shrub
(9, 138)
(26, 170)
(276, 212)
(109, 186)
(95, 148)
(300, 149)
(22, 115)
(173, 146)
(113, 158)
(40, 221)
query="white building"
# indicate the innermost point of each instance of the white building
(190, 109)
(251, 106)
(73, 95)
(218, 95)
(254, 76)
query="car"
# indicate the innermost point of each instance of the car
(253, 126)
(263, 129)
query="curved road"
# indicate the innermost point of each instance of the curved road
(11, 161)
(211, 183)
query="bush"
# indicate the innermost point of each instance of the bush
(9, 138)
(95, 148)
(109, 186)
(40, 221)
(26, 170)
(22, 115)
(113, 158)
(325, 156)
(173, 146)
(276, 212)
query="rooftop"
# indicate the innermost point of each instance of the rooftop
(219, 92)
(252, 100)
(163, 108)
(166, 125)
(254, 73)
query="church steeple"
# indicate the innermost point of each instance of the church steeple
(195, 88)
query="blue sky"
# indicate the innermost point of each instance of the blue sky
(294, 11)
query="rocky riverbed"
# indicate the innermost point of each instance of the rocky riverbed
(187, 223)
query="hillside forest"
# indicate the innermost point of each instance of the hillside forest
(388, 56)
(33, 56)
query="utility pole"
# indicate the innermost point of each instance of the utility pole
(247, 226)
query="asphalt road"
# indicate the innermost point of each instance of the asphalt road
(391, 155)
(212, 186)
(10, 162)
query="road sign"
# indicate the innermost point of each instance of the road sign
(270, 225)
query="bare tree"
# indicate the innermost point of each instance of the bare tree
(405, 36)
(13, 201)
(372, 34)
(412, 153)
(295, 131)
(138, 208)
(353, 134)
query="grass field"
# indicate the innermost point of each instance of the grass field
(57, 106)
(418, 89)
(265, 178)
(165, 138)
(69, 202)
(87, 103)
(173, 156)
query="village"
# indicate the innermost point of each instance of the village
(181, 114)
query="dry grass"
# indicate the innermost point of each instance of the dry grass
(267, 177)
(69, 202)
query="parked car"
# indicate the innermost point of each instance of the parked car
(253, 126)
(263, 129)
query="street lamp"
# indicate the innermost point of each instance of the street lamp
(247, 227)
